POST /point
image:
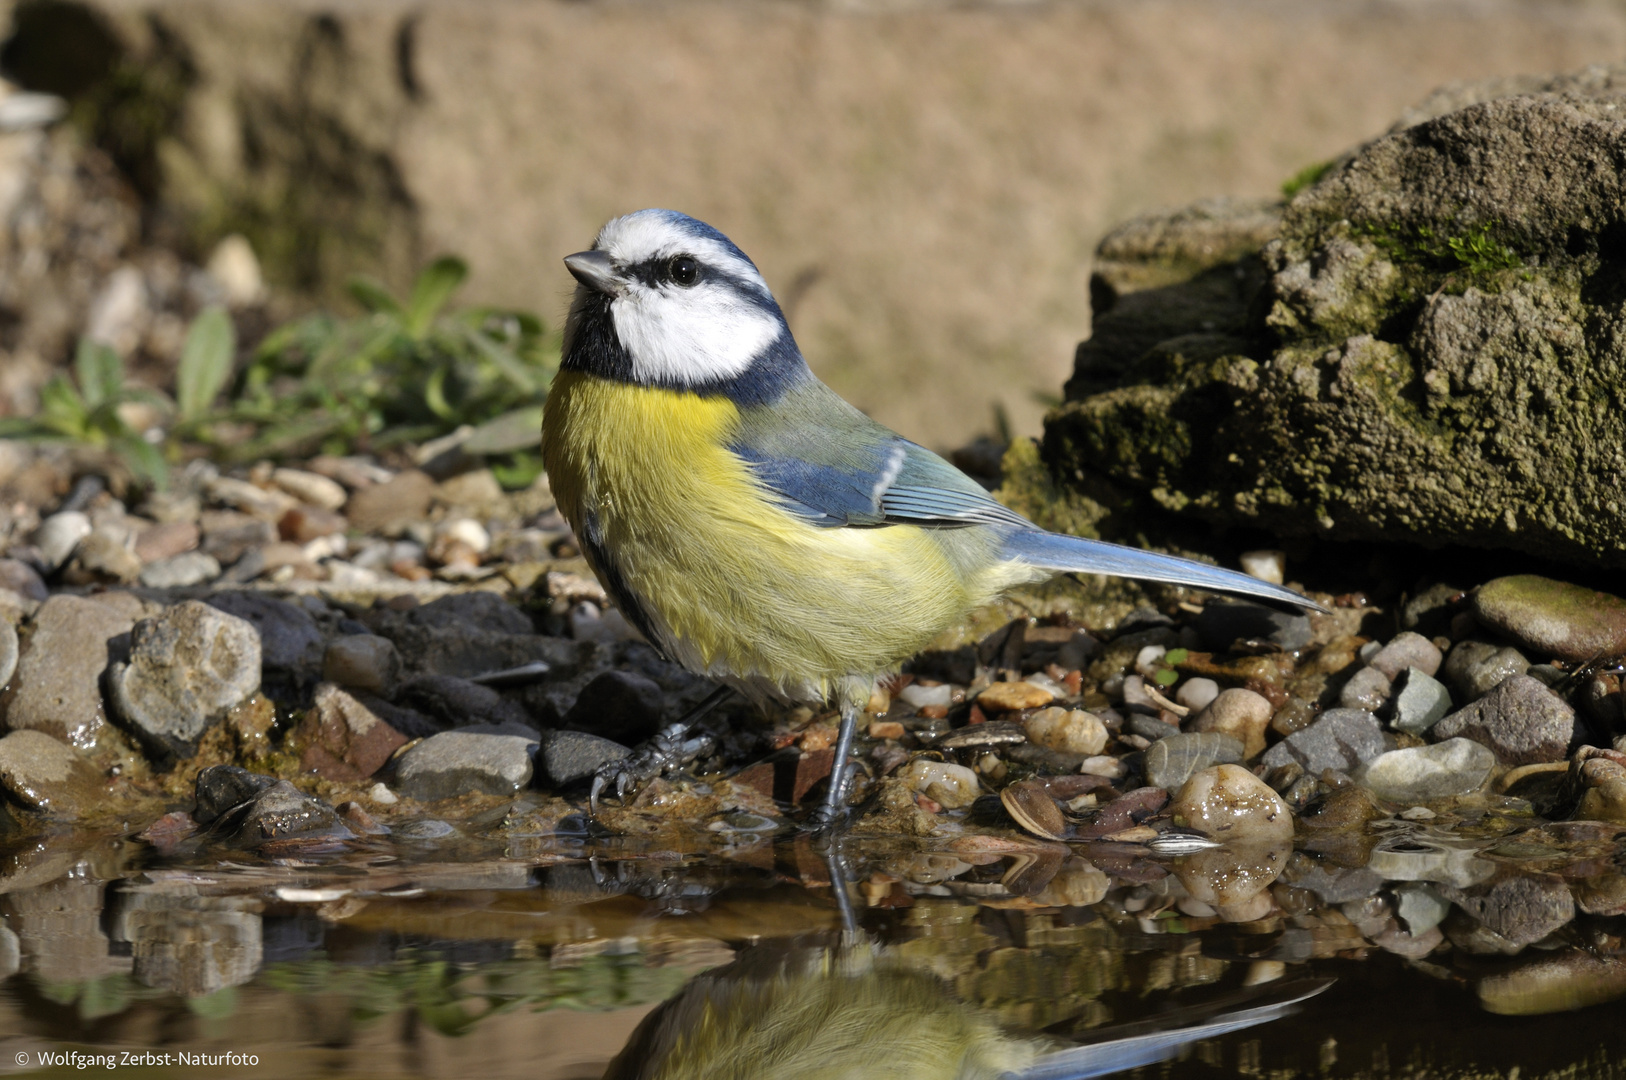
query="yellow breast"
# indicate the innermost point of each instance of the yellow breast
(733, 583)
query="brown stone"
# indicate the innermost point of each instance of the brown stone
(390, 506)
(1553, 618)
(1014, 696)
(166, 540)
(345, 740)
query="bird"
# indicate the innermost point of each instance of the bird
(752, 524)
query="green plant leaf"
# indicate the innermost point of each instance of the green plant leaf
(1165, 677)
(206, 362)
(371, 294)
(100, 372)
(431, 291)
(143, 458)
(1176, 656)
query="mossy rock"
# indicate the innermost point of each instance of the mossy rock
(1425, 345)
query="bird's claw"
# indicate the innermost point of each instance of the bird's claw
(671, 749)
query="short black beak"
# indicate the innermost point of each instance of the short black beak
(595, 270)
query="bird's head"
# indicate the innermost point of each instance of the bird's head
(665, 300)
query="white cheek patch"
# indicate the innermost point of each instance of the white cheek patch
(691, 336)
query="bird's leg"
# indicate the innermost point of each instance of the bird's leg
(670, 750)
(828, 814)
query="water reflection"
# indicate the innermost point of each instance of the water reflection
(985, 951)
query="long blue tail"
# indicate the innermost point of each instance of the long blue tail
(1074, 554)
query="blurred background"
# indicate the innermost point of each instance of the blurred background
(922, 183)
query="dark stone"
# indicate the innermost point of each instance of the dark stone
(1173, 759)
(1521, 720)
(459, 702)
(280, 812)
(221, 787)
(1522, 909)
(290, 641)
(476, 610)
(1223, 622)
(620, 705)
(1127, 810)
(1341, 739)
(409, 722)
(570, 756)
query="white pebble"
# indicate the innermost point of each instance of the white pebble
(381, 794)
(1135, 691)
(923, 696)
(1266, 565)
(1195, 694)
(59, 534)
(1146, 660)
(464, 530)
(950, 786)
(1104, 765)
(309, 487)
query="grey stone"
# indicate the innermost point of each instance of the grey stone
(1522, 721)
(620, 705)
(1335, 885)
(1420, 906)
(23, 580)
(570, 756)
(1409, 857)
(187, 667)
(362, 662)
(1341, 739)
(58, 535)
(1225, 621)
(1422, 773)
(1552, 618)
(221, 787)
(9, 651)
(190, 945)
(49, 776)
(477, 610)
(180, 571)
(1522, 909)
(1367, 689)
(1172, 760)
(290, 640)
(58, 679)
(1407, 650)
(1418, 703)
(1474, 668)
(458, 762)
(228, 535)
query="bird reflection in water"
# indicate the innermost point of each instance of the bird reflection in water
(801, 1011)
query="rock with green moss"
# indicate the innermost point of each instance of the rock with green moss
(1424, 344)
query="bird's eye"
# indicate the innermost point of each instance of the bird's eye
(683, 270)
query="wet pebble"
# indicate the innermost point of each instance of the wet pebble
(1196, 694)
(221, 787)
(180, 571)
(1419, 702)
(1241, 714)
(570, 756)
(1407, 650)
(949, 785)
(1420, 906)
(1171, 761)
(46, 775)
(1520, 909)
(922, 697)
(1425, 773)
(1266, 565)
(1474, 668)
(1341, 739)
(456, 762)
(1071, 730)
(281, 812)
(58, 678)
(342, 738)
(1552, 618)
(187, 667)
(1521, 720)
(1367, 689)
(1229, 803)
(362, 662)
(9, 648)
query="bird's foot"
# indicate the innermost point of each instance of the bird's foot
(671, 749)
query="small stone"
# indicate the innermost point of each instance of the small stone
(1420, 906)
(1266, 565)
(620, 705)
(309, 487)
(187, 667)
(9, 649)
(950, 786)
(360, 821)
(58, 535)
(1603, 797)
(1367, 689)
(57, 686)
(1521, 909)
(886, 729)
(221, 787)
(569, 756)
(389, 507)
(104, 556)
(472, 610)
(282, 812)
(264, 503)
(1407, 650)
(458, 702)
(1418, 703)
(303, 524)
(363, 662)
(1224, 622)
(1552, 618)
(1072, 730)
(1104, 765)
(48, 776)
(1424, 773)
(1173, 760)
(166, 540)
(1241, 714)
(1342, 739)
(180, 571)
(459, 762)
(925, 697)
(343, 739)
(23, 580)
(382, 795)
(1229, 803)
(1014, 696)
(1521, 720)
(1474, 668)
(1196, 694)
(290, 640)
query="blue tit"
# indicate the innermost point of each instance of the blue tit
(756, 527)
